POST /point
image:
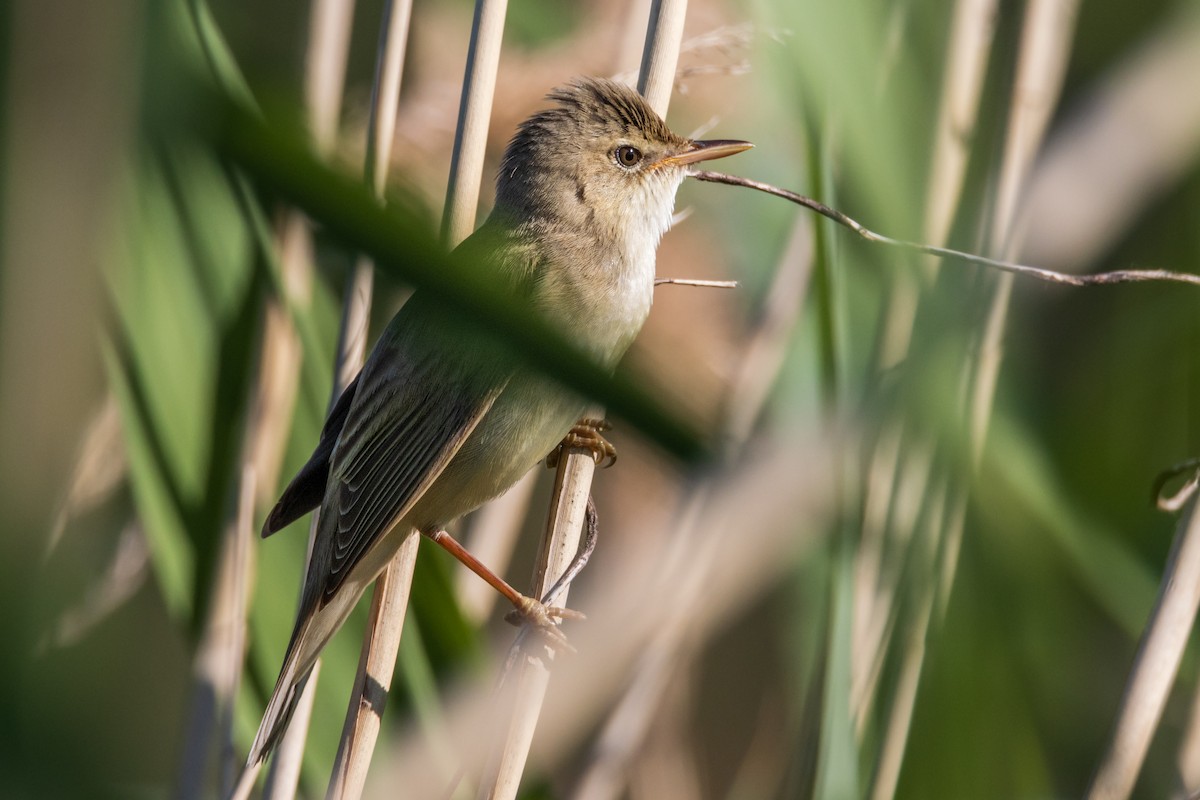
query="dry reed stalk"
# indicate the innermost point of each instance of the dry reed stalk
(279, 360)
(389, 599)
(330, 23)
(1045, 43)
(280, 352)
(631, 40)
(576, 466)
(382, 638)
(1187, 760)
(531, 673)
(324, 76)
(474, 116)
(368, 697)
(284, 775)
(660, 55)
(1154, 666)
(217, 665)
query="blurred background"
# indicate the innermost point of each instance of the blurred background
(937, 548)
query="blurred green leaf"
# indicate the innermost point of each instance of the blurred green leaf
(170, 547)
(166, 329)
(1015, 471)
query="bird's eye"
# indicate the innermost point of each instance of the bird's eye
(628, 156)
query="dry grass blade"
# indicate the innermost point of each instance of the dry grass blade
(1155, 665)
(1090, 186)
(100, 466)
(324, 76)
(971, 34)
(219, 657)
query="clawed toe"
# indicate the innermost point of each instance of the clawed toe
(541, 618)
(586, 434)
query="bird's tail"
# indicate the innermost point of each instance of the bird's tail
(283, 700)
(315, 625)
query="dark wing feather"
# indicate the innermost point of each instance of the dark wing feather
(307, 489)
(409, 418)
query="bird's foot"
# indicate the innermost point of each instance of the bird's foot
(541, 618)
(587, 434)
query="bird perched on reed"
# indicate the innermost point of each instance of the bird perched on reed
(440, 419)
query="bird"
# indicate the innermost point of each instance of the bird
(441, 419)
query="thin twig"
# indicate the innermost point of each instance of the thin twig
(696, 282)
(1048, 275)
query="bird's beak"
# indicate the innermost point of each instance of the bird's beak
(706, 151)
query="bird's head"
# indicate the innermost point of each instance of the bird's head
(600, 157)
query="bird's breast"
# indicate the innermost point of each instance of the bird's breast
(600, 302)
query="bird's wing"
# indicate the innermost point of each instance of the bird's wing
(307, 489)
(415, 406)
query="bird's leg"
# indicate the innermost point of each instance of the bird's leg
(588, 434)
(535, 613)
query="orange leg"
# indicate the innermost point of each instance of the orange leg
(531, 611)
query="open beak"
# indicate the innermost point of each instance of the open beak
(706, 151)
